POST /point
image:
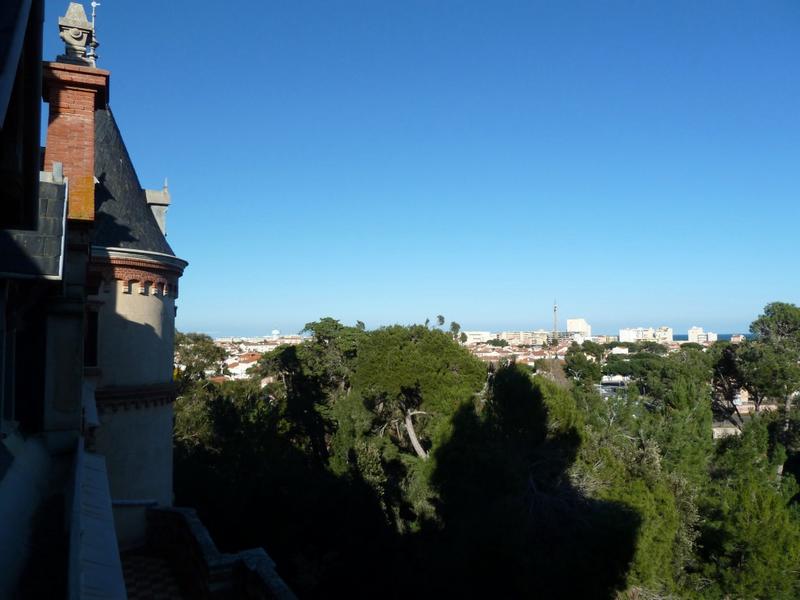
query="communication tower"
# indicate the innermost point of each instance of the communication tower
(555, 322)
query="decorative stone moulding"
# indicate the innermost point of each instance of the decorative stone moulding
(113, 400)
(145, 273)
(144, 284)
(158, 288)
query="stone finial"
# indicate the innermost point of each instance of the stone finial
(159, 201)
(78, 34)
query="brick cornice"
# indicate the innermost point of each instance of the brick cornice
(142, 265)
(143, 272)
(65, 75)
(136, 257)
(140, 276)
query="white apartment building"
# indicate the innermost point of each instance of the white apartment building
(579, 326)
(694, 334)
(517, 338)
(664, 335)
(698, 336)
(479, 337)
(637, 334)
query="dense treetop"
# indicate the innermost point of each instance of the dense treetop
(391, 462)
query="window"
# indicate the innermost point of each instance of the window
(90, 342)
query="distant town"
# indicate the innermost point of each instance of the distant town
(525, 347)
(522, 347)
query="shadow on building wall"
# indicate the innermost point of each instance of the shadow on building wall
(26, 294)
(129, 345)
(33, 539)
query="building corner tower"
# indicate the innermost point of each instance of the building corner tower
(132, 281)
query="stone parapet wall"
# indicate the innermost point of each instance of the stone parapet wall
(205, 572)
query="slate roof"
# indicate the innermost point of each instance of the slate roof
(122, 219)
(37, 252)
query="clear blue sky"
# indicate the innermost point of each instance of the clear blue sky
(390, 161)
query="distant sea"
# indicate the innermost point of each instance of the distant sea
(722, 337)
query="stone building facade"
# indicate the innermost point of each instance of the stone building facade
(131, 282)
(88, 285)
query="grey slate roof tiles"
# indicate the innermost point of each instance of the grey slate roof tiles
(36, 253)
(123, 218)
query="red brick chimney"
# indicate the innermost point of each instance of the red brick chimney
(73, 93)
(74, 88)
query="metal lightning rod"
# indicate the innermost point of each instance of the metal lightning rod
(94, 44)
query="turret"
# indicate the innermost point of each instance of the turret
(132, 278)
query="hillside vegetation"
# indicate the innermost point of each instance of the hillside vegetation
(392, 463)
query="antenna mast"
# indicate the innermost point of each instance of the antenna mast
(555, 322)
(94, 43)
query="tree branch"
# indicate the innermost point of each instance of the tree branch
(412, 434)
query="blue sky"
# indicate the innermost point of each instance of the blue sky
(390, 161)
